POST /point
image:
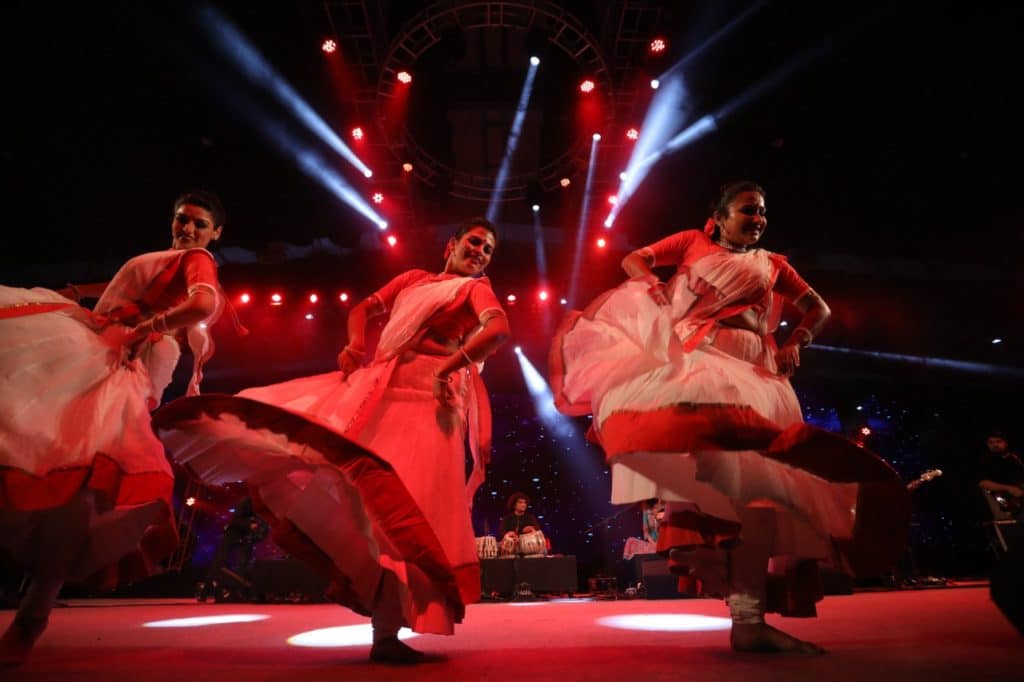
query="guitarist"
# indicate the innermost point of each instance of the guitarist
(1001, 473)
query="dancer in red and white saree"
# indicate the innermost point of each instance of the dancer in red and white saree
(85, 488)
(692, 404)
(362, 471)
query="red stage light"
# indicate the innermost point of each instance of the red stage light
(633, 134)
(511, 298)
(190, 502)
(329, 46)
(244, 298)
(378, 198)
(564, 182)
(657, 46)
(865, 431)
(407, 167)
(587, 86)
(601, 242)
(404, 77)
(313, 298)
(392, 240)
(612, 199)
(343, 297)
(275, 299)
(357, 133)
(543, 295)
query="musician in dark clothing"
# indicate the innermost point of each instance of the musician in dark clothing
(235, 550)
(1001, 471)
(1001, 476)
(518, 521)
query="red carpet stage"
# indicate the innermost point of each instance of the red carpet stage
(934, 635)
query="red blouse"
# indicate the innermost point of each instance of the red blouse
(685, 248)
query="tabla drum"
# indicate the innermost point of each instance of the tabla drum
(533, 544)
(508, 547)
(486, 547)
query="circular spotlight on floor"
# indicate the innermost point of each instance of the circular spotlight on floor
(341, 636)
(665, 622)
(202, 621)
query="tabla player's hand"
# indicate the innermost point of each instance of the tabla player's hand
(511, 535)
(529, 529)
(787, 359)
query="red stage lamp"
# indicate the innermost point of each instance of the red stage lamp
(343, 297)
(329, 46)
(586, 86)
(865, 431)
(392, 240)
(601, 242)
(613, 199)
(407, 167)
(313, 298)
(244, 298)
(190, 502)
(276, 299)
(633, 134)
(511, 298)
(543, 295)
(357, 133)
(404, 77)
(564, 182)
(378, 198)
(657, 46)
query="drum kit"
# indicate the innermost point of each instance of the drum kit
(527, 545)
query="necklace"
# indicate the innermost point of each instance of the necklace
(732, 247)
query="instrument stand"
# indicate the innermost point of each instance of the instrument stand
(604, 585)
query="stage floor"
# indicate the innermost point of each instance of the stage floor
(936, 634)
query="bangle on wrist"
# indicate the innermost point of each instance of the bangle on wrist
(158, 323)
(807, 335)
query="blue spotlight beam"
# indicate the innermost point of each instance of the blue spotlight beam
(644, 157)
(581, 230)
(538, 238)
(924, 361)
(233, 45)
(513, 141)
(544, 401)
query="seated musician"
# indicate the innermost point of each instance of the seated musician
(1001, 474)
(518, 521)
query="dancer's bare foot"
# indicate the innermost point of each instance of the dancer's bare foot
(761, 637)
(391, 650)
(18, 640)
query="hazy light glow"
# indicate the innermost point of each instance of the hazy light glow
(945, 363)
(341, 636)
(250, 62)
(534, 61)
(203, 621)
(581, 231)
(404, 77)
(665, 622)
(513, 141)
